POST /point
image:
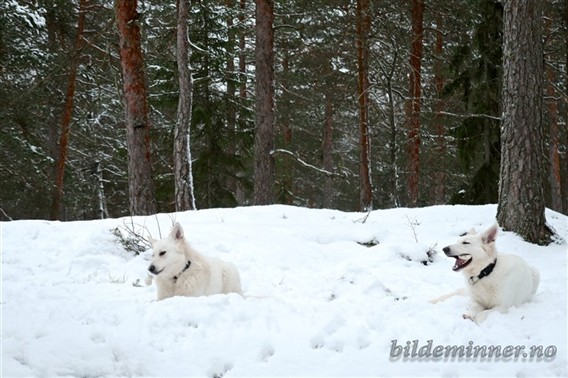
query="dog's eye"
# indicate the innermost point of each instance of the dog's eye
(162, 253)
(465, 242)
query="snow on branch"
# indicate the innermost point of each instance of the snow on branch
(280, 151)
(471, 115)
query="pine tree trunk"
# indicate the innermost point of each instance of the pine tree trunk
(231, 99)
(555, 177)
(140, 182)
(440, 149)
(363, 30)
(413, 107)
(240, 192)
(394, 184)
(183, 175)
(287, 168)
(521, 186)
(67, 114)
(327, 152)
(264, 104)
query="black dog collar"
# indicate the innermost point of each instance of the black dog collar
(484, 273)
(186, 267)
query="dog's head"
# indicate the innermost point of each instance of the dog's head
(474, 250)
(168, 253)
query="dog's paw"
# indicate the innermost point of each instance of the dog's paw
(468, 317)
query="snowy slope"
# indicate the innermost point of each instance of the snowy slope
(317, 302)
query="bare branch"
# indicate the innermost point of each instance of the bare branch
(280, 151)
(6, 215)
(471, 115)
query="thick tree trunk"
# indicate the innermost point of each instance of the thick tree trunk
(264, 104)
(555, 177)
(140, 182)
(521, 186)
(413, 107)
(183, 175)
(67, 114)
(363, 29)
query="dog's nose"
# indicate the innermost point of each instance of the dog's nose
(446, 250)
(152, 269)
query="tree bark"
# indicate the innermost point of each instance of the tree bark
(67, 114)
(555, 177)
(363, 30)
(327, 151)
(183, 173)
(440, 149)
(264, 104)
(140, 182)
(413, 107)
(287, 169)
(231, 99)
(521, 185)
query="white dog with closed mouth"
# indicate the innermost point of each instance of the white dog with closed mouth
(181, 270)
(493, 281)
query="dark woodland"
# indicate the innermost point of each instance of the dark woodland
(109, 111)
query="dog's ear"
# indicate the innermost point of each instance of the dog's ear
(490, 234)
(177, 232)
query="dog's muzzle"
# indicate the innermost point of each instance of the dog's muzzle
(152, 269)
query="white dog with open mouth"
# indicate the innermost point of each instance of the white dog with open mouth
(180, 270)
(493, 281)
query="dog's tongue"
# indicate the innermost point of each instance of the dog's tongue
(460, 263)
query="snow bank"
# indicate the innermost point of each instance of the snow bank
(326, 295)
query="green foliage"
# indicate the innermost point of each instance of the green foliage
(476, 66)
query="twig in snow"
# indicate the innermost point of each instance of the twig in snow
(413, 225)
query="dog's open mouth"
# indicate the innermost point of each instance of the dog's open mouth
(461, 262)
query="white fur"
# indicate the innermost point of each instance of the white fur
(511, 283)
(204, 276)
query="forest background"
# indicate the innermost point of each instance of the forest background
(446, 150)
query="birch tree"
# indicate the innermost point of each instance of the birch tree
(183, 175)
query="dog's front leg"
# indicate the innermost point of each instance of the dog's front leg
(462, 291)
(482, 314)
(474, 312)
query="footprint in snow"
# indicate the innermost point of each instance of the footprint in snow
(266, 352)
(219, 369)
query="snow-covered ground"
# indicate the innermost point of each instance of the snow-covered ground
(317, 302)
